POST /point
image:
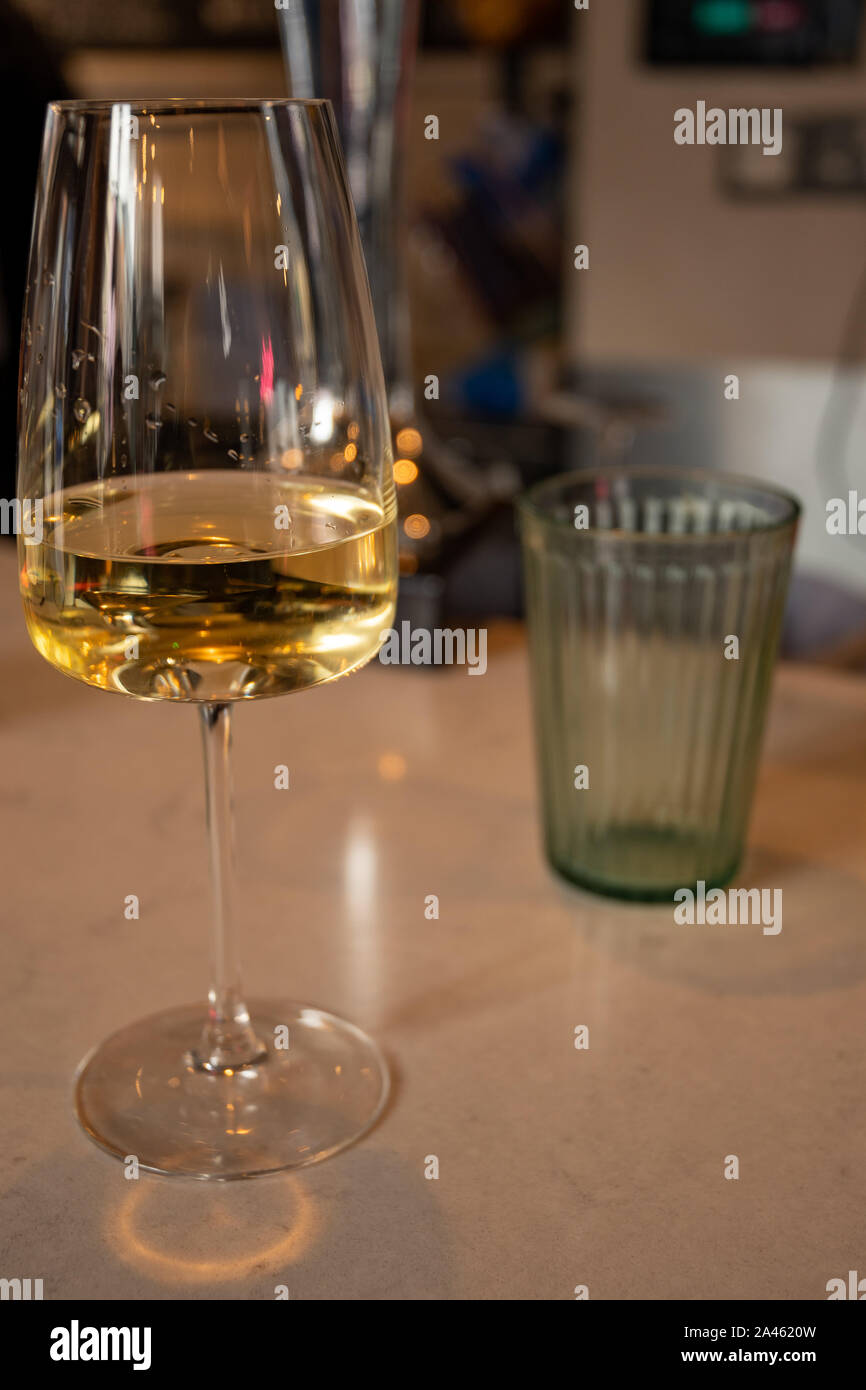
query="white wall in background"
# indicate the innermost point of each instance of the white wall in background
(776, 431)
(687, 285)
(679, 272)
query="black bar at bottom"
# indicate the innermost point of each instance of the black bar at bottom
(213, 1339)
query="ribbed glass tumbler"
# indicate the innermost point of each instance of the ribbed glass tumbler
(654, 601)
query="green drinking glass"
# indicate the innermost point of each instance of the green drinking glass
(654, 601)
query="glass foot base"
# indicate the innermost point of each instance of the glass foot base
(139, 1095)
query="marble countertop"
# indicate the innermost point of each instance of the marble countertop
(558, 1167)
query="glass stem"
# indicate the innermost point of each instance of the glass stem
(228, 1041)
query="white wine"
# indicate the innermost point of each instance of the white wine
(210, 586)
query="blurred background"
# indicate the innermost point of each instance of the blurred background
(555, 129)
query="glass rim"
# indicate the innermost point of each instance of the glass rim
(528, 505)
(177, 105)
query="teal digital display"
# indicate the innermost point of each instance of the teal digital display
(770, 33)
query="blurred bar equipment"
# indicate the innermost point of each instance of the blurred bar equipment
(359, 54)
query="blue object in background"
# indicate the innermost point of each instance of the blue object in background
(493, 386)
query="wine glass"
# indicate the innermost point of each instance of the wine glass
(203, 420)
